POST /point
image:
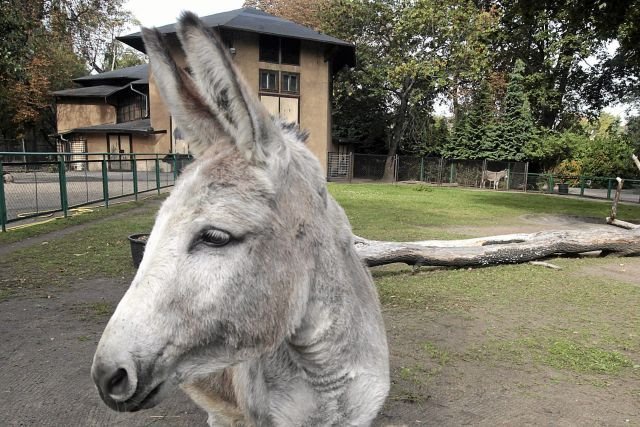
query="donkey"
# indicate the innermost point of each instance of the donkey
(250, 295)
(494, 177)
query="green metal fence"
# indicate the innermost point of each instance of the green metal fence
(473, 173)
(36, 184)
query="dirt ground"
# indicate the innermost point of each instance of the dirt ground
(470, 392)
(48, 344)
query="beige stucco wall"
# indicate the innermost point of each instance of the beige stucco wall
(160, 119)
(74, 115)
(314, 87)
(153, 144)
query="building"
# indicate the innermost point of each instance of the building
(289, 66)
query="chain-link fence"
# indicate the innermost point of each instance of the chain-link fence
(50, 182)
(499, 175)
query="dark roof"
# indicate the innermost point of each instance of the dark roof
(99, 91)
(108, 83)
(257, 21)
(142, 126)
(121, 76)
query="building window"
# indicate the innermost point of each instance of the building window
(279, 50)
(269, 48)
(290, 51)
(291, 82)
(131, 108)
(269, 80)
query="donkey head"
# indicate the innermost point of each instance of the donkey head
(226, 271)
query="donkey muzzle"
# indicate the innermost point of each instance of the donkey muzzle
(117, 383)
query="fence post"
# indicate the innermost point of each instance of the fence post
(157, 174)
(422, 169)
(526, 176)
(484, 173)
(609, 187)
(64, 203)
(134, 170)
(3, 205)
(440, 171)
(581, 185)
(351, 161)
(551, 183)
(452, 170)
(175, 167)
(105, 182)
(396, 164)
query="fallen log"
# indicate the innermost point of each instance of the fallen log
(504, 249)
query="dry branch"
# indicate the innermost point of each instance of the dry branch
(622, 224)
(546, 265)
(616, 199)
(504, 249)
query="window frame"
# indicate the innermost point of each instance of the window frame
(130, 108)
(277, 80)
(284, 74)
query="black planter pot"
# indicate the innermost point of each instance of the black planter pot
(138, 243)
(563, 188)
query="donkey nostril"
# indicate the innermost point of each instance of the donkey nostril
(118, 384)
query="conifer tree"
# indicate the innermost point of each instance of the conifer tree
(475, 131)
(516, 127)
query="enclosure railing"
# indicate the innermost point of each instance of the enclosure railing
(472, 173)
(36, 184)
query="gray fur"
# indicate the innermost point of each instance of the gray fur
(282, 325)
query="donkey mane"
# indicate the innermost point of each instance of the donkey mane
(250, 295)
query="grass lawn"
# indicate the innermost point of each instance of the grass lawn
(419, 212)
(48, 224)
(522, 332)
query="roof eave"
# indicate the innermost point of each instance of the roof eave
(345, 52)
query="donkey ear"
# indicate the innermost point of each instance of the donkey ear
(179, 92)
(225, 92)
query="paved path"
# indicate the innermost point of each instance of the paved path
(46, 353)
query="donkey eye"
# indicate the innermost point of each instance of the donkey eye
(215, 237)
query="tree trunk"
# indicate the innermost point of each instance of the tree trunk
(398, 129)
(504, 249)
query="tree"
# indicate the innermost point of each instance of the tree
(44, 45)
(34, 62)
(620, 73)
(405, 50)
(633, 133)
(607, 156)
(89, 26)
(558, 42)
(119, 56)
(303, 12)
(516, 127)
